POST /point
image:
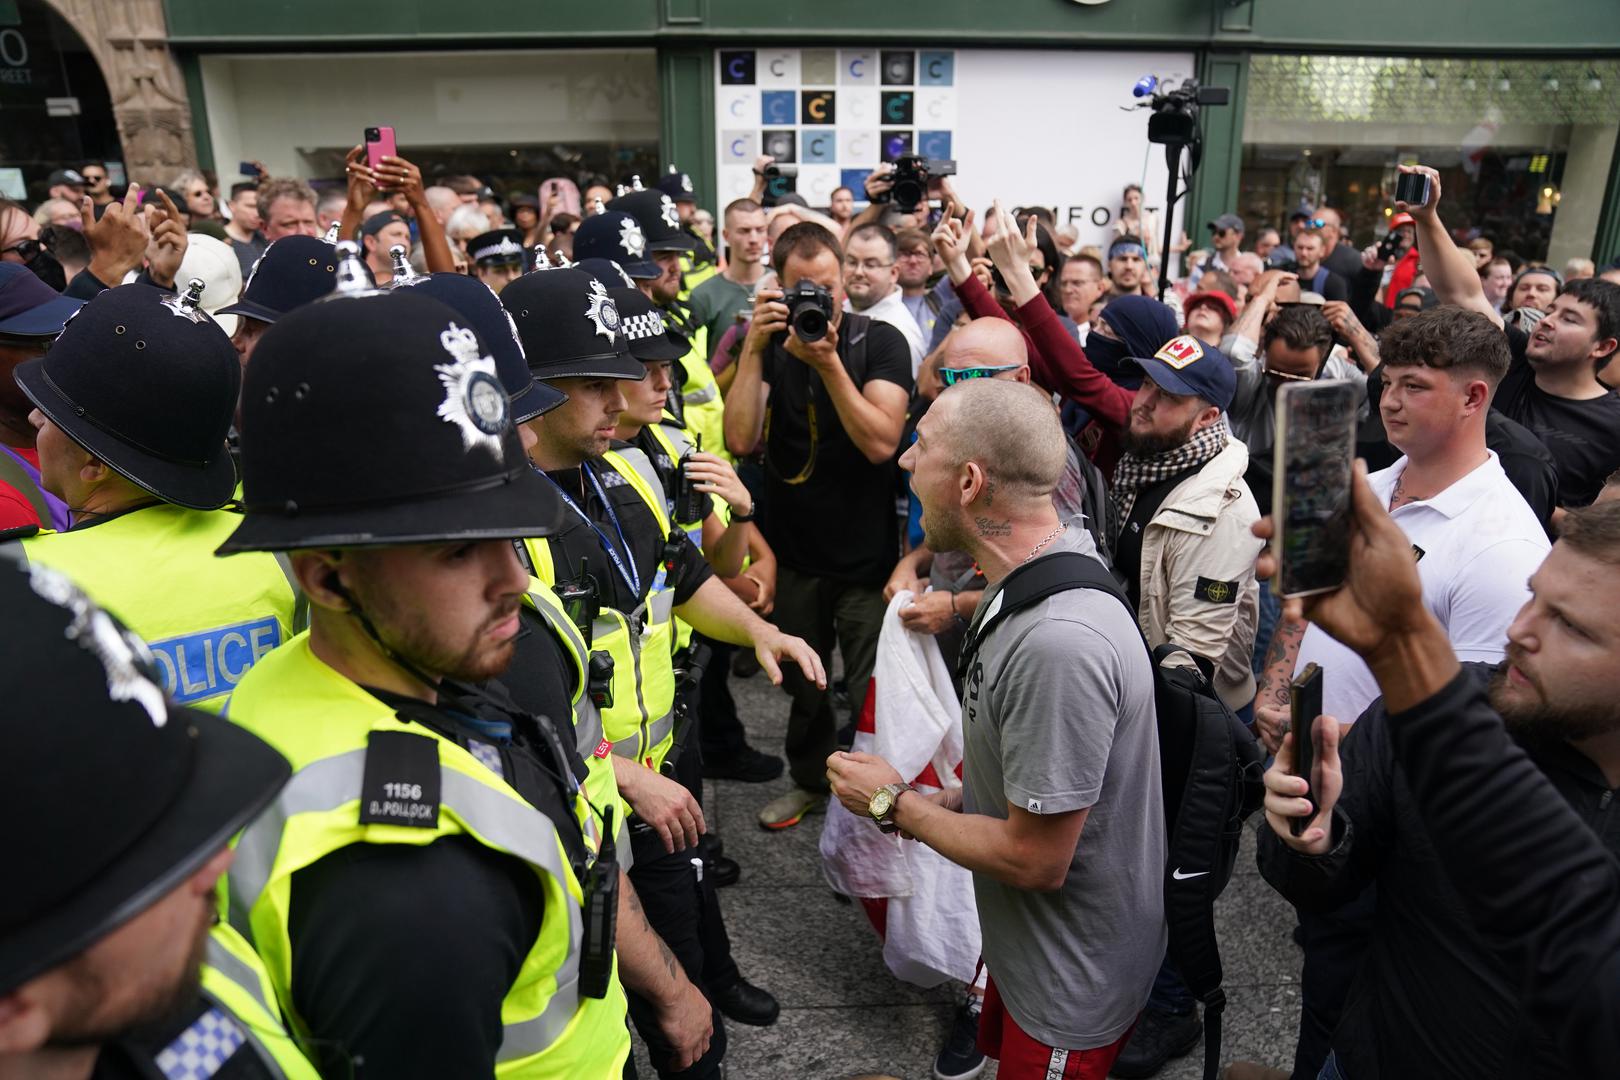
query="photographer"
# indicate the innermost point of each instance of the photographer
(1481, 821)
(831, 410)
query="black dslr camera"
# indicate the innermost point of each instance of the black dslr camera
(810, 310)
(911, 177)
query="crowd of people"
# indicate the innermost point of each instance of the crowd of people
(378, 562)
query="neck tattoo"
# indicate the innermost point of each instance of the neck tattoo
(1051, 536)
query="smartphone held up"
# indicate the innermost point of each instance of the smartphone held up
(379, 144)
(1304, 706)
(1310, 499)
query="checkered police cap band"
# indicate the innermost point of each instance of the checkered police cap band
(642, 327)
(505, 248)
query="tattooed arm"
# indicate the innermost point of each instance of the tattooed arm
(1271, 702)
(651, 970)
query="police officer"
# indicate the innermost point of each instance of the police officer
(31, 316)
(429, 816)
(497, 256)
(641, 572)
(659, 219)
(701, 264)
(110, 890)
(292, 272)
(132, 405)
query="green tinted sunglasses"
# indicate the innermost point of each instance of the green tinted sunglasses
(952, 376)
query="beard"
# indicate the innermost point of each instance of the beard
(1151, 444)
(942, 535)
(420, 638)
(1541, 721)
(154, 1008)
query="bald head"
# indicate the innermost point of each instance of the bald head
(1009, 429)
(985, 343)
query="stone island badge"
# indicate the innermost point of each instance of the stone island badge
(124, 657)
(630, 237)
(1216, 592)
(666, 210)
(602, 311)
(474, 399)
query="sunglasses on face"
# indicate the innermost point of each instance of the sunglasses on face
(26, 249)
(952, 376)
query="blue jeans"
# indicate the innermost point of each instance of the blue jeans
(1331, 1070)
(1170, 994)
(1270, 612)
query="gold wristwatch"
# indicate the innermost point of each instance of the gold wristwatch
(881, 805)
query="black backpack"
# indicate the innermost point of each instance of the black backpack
(1210, 768)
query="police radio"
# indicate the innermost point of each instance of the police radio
(581, 599)
(601, 915)
(689, 501)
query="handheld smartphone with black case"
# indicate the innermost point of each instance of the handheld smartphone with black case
(1310, 494)
(1304, 706)
(1412, 189)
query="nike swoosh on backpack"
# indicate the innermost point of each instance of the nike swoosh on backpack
(1179, 876)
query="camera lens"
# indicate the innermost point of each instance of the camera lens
(907, 195)
(810, 324)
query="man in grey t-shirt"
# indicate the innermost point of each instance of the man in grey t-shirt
(1060, 819)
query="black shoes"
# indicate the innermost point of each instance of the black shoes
(749, 765)
(1159, 1036)
(747, 1004)
(960, 1059)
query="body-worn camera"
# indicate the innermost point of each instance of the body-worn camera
(600, 916)
(911, 177)
(810, 310)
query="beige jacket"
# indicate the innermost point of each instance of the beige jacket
(1198, 588)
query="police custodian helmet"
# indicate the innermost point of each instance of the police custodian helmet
(379, 419)
(145, 381)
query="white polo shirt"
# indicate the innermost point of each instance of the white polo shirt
(892, 310)
(1477, 543)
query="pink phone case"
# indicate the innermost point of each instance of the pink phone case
(381, 147)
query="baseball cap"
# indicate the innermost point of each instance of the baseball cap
(1425, 297)
(65, 176)
(220, 271)
(1213, 298)
(127, 794)
(1186, 366)
(29, 307)
(1226, 221)
(376, 223)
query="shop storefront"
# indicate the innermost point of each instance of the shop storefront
(512, 118)
(1524, 147)
(55, 112)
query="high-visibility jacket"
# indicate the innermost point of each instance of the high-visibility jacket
(235, 984)
(207, 619)
(640, 722)
(327, 726)
(601, 788)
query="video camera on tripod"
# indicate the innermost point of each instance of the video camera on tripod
(1174, 125)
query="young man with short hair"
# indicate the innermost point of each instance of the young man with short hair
(1055, 819)
(1552, 385)
(721, 301)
